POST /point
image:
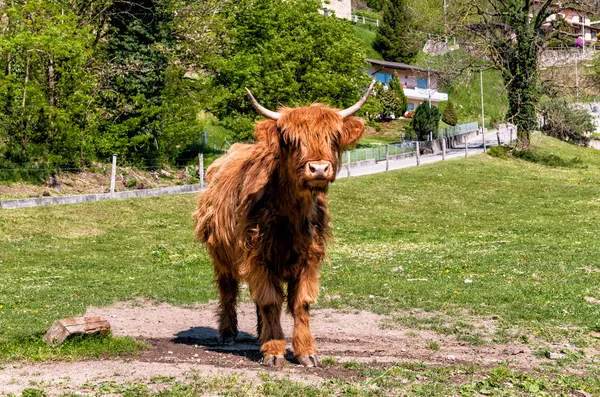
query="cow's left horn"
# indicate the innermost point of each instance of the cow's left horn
(356, 107)
(263, 110)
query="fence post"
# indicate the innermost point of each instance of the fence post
(364, 19)
(483, 137)
(466, 148)
(387, 157)
(113, 174)
(443, 148)
(510, 141)
(417, 154)
(377, 22)
(201, 169)
(348, 162)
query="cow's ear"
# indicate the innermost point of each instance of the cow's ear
(266, 131)
(351, 132)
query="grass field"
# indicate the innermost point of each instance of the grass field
(463, 239)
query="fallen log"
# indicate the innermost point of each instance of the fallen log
(63, 329)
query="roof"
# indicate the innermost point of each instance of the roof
(395, 65)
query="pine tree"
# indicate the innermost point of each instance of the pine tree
(397, 39)
(426, 120)
(449, 117)
(397, 89)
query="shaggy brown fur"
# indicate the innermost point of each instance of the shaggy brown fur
(265, 221)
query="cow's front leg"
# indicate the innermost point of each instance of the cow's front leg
(267, 293)
(302, 291)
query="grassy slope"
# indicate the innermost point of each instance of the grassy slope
(466, 93)
(368, 37)
(525, 234)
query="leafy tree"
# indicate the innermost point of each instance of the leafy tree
(567, 123)
(285, 52)
(397, 39)
(46, 85)
(449, 117)
(136, 62)
(507, 32)
(425, 120)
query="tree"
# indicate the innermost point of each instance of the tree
(285, 52)
(397, 39)
(507, 32)
(566, 123)
(425, 121)
(396, 88)
(449, 117)
(46, 85)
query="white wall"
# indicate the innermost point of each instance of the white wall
(342, 8)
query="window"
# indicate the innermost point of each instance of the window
(411, 106)
(383, 77)
(421, 83)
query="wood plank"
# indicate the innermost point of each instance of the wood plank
(63, 329)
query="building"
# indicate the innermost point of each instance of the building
(413, 80)
(581, 23)
(341, 8)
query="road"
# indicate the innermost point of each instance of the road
(475, 146)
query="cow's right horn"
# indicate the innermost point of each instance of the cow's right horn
(356, 107)
(263, 110)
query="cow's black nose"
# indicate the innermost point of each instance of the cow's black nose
(318, 169)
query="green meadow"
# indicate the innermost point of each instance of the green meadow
(463, 239)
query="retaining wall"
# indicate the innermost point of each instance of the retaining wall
(86, 198)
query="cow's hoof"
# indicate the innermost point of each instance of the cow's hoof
(273, 361)
(227, 340)
(309, 361)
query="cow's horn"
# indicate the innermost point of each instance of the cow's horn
(356, 107)
(263, 110)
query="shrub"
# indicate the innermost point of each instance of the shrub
(500, 152)
(568, 124)
(550, 160)
(425, 120)
(449, 117)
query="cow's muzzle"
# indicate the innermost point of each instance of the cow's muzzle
(319, 172)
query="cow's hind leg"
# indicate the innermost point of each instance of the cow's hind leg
(302, 291)
(228, 292)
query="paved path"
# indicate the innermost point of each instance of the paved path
(475, 146)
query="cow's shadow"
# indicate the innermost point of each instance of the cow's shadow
(246, 345)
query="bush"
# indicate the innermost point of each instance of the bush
(550, 160)
(568, 124)
(425, 120)
(449, 117)
(500, 152)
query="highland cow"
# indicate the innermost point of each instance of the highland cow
(264, 220)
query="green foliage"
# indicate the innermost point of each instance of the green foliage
(371, 109)
(46, 86)
(285, 53)
(397, 39)
(375, 5)
(425, 120)
(567, 123)
(133, 96)
(548, 159)
(500, 152)
(368, 37)
(449, 116)
(396, 88)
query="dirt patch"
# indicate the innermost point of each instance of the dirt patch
(184, 340)
(98, 181)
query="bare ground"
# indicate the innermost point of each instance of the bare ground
(184, 344)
